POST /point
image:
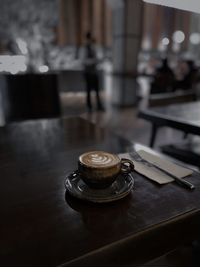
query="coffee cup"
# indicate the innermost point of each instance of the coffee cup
(99, 169)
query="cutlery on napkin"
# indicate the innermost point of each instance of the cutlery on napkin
(154, 173)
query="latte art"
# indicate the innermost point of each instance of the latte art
(95, 158)
(99, 159)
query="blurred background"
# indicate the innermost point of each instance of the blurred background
(43, 59)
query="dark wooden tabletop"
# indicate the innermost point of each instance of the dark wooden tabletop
(41, 225)
(185, 117)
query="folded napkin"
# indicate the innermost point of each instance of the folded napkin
(155, 174)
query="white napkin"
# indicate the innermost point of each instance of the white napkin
(155, 174)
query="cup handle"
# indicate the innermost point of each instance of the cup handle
(127, 165)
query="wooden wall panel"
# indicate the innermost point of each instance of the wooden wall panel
(77, 17)
(162, 22)
(96, 22)
(68, 22)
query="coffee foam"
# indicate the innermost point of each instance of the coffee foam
(99, 159)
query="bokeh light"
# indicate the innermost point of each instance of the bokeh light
(178, 37)
(195, 38)
(43, 68)
(165, 41)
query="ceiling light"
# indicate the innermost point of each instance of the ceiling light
(178, 37)
(165, 41)
(195, 38)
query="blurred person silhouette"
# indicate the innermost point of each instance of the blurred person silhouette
(91, 72)
(11, 47)
(151, 66)
(190, 76)
(163, 79)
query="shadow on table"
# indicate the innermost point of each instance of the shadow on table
(96, 216)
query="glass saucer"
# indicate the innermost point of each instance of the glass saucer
(120, 188)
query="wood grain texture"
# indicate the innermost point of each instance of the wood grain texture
(40, 225)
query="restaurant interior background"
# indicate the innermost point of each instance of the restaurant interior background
(42, 59)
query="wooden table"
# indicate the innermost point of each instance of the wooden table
(40, 225)
(184, 117)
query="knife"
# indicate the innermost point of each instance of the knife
(135, 156)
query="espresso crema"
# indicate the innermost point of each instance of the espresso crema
(99, 159)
